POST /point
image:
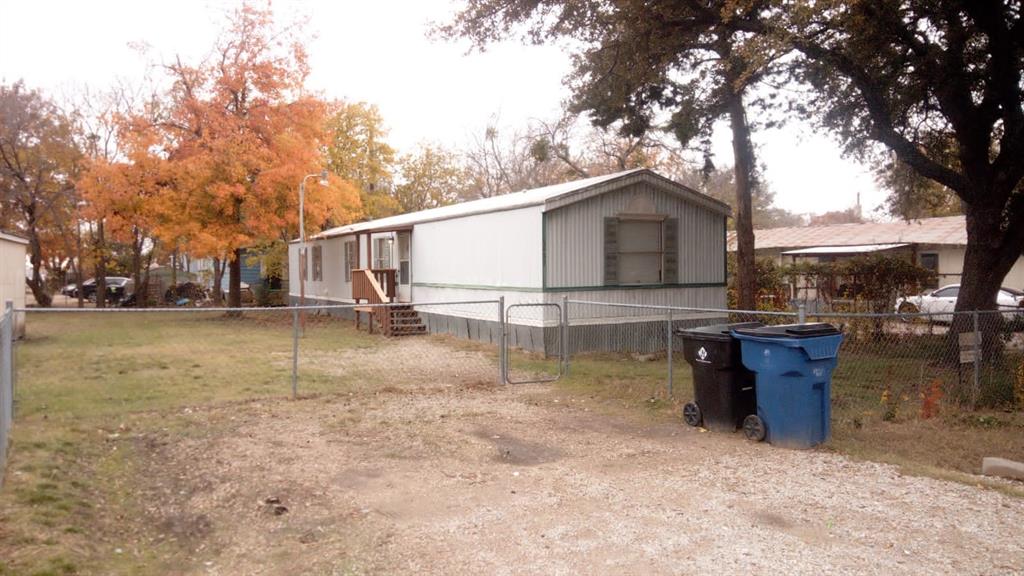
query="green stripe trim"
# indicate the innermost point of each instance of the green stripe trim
(569, 288)
(635, 287)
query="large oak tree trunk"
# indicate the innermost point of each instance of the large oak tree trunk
(79, 273)
(743, 153)
(35, 257)
(235, 279)
(101, 266)
(218, 282)
(36, 283)
(140, 278)
(991, 251)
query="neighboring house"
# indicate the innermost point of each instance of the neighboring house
(12, 275)
(631, 237)
(251, 273)
(938, 244)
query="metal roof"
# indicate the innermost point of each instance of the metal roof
(863, 249)
(523, 199)
(13, 238)
(950, 230)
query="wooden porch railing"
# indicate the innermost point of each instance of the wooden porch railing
(386, 283)
(388, 280)
(374, 287)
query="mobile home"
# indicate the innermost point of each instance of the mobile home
(12, 275)
(631, 237)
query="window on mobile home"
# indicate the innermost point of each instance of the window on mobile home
(383, 256)
(350, 259)
(318, 263)
(640, 250)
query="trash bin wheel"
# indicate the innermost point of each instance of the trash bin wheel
(691, 414)
(753, 428)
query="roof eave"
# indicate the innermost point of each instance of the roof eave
(647, 175)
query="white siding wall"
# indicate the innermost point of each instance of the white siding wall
(333, 286)
(951, 261)
(1015, 279)
(479, 311)
(500, 250)
(12, 278)
(293, 269)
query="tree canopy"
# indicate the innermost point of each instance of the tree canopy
(242, 133)
(38, 163)
(939, 84)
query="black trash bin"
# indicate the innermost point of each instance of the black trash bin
(723, 389)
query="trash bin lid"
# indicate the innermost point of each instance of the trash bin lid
(716, 332)
(812, 330)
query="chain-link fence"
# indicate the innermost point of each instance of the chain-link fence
(78, 363)
(7, 328)
(891, 367)
(536, 337)
(253, 352)
(898, 367)
(448, 344)
(644, 337)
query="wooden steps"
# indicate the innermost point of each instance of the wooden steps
(404, 321)
(401, 320)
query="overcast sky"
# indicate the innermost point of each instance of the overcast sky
(377, 51)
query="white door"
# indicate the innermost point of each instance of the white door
(404, 267)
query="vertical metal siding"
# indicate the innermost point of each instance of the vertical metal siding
(575, 238)
(697, 297)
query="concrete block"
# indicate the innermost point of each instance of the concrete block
(1002, 467)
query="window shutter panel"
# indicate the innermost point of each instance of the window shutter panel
(670, 275)
(611, 251)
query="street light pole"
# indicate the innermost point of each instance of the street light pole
(304, 262)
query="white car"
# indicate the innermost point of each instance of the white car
(942, 302)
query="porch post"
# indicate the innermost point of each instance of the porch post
(369, 252)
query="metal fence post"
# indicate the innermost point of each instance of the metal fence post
(502, 360)
(801, 313)
(8, 361)
(668, 336)
(295, 353)
(6, 382)
(565, 334)
(979, 351)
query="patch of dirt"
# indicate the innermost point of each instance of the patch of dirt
(504, 480)
(411, 360)
(511, 450)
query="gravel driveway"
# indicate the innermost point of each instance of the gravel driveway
(519, 480)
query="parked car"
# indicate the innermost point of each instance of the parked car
(942, 302)
(117, 288)
(88, 287)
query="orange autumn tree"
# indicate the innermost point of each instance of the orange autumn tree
(124, 192)
(240, 132)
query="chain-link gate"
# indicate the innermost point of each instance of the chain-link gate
(534, 343)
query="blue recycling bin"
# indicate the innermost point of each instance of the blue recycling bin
(793, 367)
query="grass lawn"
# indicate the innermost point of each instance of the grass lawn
(85, 382)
